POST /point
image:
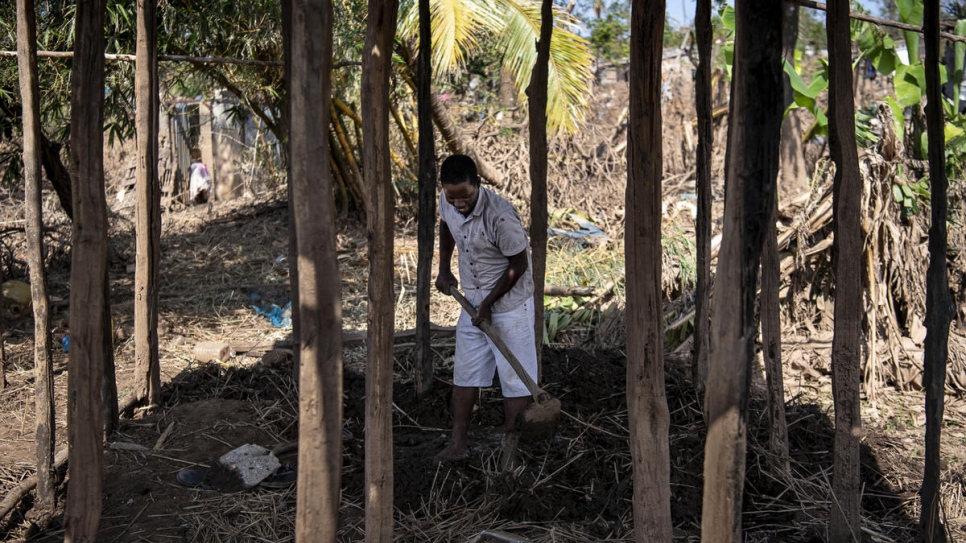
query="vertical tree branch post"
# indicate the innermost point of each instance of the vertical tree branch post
(3, 349)
(320, 345)
(33, 194)
(648, 417)
(85, 373)
(147, 272)
(426, 231)
(293, 253)
(751, 173)
(847, 249)
(702, 105)
(939, 308)
(771, 339)
(376, 66)
(537, 94)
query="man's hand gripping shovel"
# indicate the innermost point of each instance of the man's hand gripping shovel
(540, 419)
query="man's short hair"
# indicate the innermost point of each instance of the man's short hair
(458, 169)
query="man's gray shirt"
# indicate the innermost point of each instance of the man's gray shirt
(485, 240)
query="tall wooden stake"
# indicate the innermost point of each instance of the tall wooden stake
(427, 203)
(751, 170)
(87, 275)
(702, 100)
(376, 66)
(320, 346)
(939, 307)
(647, 411)
(845, 522)
(43, 363)
(147, 364)
(537, 94)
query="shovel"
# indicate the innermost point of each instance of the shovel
(541, 417)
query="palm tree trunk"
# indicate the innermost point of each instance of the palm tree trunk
(648, 417)
(147, 365)
(453, 140)
(43, 363)
(376, 67)
(751, 170)
(702, 97)
(537, 93)
(426, 235)
(845, 522)
(319, 292)
(87, 277)
(938, 298)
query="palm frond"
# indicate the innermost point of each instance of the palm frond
(457, 27)
(569, 74)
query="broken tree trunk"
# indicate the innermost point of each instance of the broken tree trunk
(751, 171)
(939, 308)
(648, 417)
(376, 67)
(537, 93)
(33, 194)
(85, 426)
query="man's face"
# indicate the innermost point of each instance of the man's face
(462, 196)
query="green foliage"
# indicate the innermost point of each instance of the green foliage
(610, 33)
(811, 31)
(462, 27)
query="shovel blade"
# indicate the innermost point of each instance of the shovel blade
(539, 421)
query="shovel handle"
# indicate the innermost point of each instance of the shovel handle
(538, 393)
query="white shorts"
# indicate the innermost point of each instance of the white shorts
(477, 357)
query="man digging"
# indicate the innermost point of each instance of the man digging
(494, 265)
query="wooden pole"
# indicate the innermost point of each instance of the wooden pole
(751, 172)
(426, 231)
(33, 194)
(702, 99)
(648, 417)
(847, 250)
(938, 298)
(537, 95)
(147, 365)
(380, 207)
(88, 272)
(320, 344)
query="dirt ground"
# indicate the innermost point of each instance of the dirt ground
(576, 487)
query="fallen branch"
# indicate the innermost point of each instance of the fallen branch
(18, 492)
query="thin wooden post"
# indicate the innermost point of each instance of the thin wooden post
(426, 231)
(847, 249)
(939, 306)
(320, 346)
(380, 207)
(147, 272)
(537, 94)
(648, 417)
(751, 172)
(702, 100)
(88, 273)
(43, 362)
